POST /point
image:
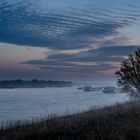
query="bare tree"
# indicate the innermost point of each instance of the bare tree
(129, 73)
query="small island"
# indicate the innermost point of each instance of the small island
(18, 83)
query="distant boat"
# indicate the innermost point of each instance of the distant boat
(88, 89)
(80, 88)
(109, 89)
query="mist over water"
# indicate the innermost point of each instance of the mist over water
(24, 104)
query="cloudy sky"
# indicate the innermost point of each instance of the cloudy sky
(66, 39)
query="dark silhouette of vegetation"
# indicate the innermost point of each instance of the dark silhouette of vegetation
(33, 83)
(119, 122)
(129, 74)
(35, 80)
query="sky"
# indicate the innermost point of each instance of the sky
(66, 39)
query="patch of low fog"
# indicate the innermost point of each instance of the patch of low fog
(24, 104)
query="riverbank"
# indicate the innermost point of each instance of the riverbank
(10, 84)
(117, 122)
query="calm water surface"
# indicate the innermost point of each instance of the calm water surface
(23, 104)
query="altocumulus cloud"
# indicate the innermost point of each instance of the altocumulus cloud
(22, 24)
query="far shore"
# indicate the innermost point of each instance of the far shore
(10, 84)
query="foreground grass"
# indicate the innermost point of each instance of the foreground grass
(119, 122)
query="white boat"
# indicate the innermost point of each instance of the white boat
(109, 89)
(88, 89)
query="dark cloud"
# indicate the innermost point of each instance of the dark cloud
(79, 69)
(105, 58)
(101, 54)
(20, 24)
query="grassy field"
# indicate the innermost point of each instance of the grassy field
(119, 122)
